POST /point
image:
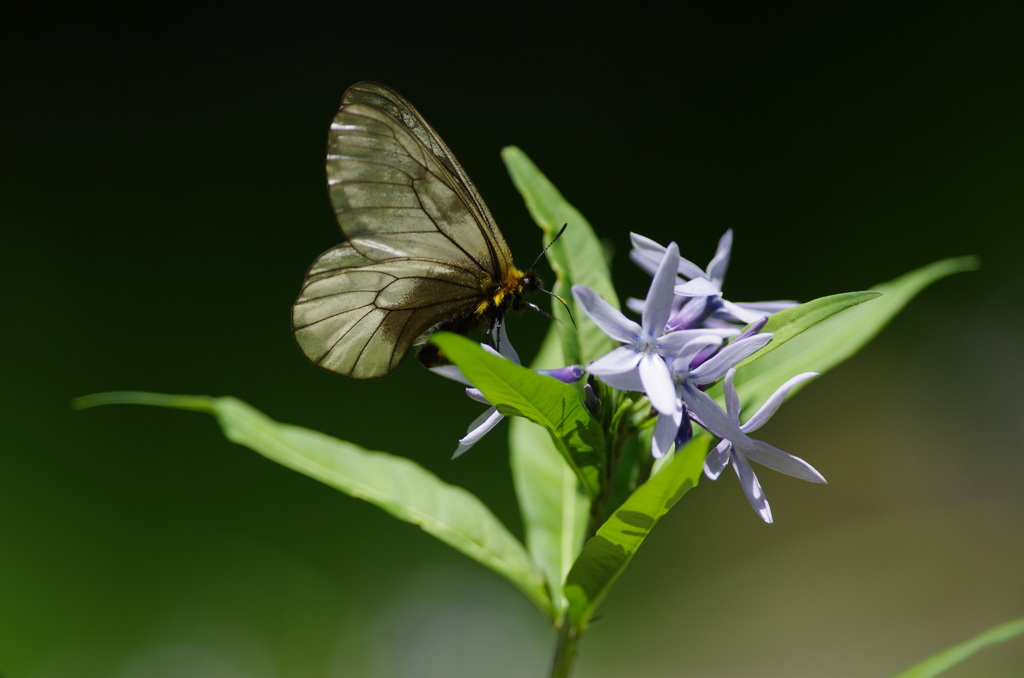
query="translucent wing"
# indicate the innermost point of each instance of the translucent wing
(395, 197)
(359, 318)
(399, 109)
(422, 247)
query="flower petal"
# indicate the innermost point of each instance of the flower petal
(729, 356)
(712, 417)
(732, 399)
(648, 264)
(684, 344)
(689, 315)
(720, 262)
(658, 304)
(658, 384)
(618, 369)
(738, 312)
(607, 317)
(769, 407)
(717, 460)
(480, 426)
(635, 305)
(477, 395)
(765, 307)
(451, 372)
(628, 381)
(783, 462)
(698, 287)
(505, 349)
(646, 248)
(752, 488)
(665, 429)
(688, 269)
(617, 361)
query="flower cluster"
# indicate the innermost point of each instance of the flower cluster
(689, 337)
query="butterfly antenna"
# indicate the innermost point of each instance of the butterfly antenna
(560, 299)
(544, 251)
(565, 305)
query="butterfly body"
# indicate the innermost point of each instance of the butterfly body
(423, 252)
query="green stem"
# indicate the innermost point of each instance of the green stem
(566, 650)
(569, 635)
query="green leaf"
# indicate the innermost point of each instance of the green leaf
(947, 659)
(836, 337)
(553, 506)
(789, 323)
(785, 326)
(517, 391)
(395, 484)
(607, 553)
(577, 258)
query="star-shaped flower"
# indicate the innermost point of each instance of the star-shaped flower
(647, 254)
(690, 373)
(738, 453)
(640, 363)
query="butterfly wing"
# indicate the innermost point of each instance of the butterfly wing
(385, 99)
(359, 318)
(422, 247)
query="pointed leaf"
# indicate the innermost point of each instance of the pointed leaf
(836, 338)
(949, 658)
(788, 323)
(395, 484)
(517, 391)
(607, 553)
(577, 258)
(553, 506)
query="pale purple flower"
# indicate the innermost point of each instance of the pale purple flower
(706, 284)
(691, 372)
(739, 452)
(640, 363)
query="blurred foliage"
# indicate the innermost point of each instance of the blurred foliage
(165, 193)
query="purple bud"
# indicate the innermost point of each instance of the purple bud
(693, 312)
(590, 399)
(568, 374)
(685, 433)
(754, 328)
(702, 356)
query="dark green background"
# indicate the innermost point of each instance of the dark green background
(163, 194)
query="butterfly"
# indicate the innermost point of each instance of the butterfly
(423, 252)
